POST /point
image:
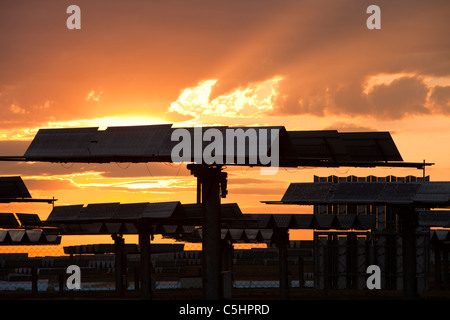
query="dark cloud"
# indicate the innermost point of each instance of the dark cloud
(142, 54)
(440, 99)
(404, 96)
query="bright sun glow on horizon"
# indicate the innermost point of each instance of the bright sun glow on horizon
(255, 100)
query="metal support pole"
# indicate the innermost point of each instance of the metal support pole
(409, 224)
(145, 268)
(34, 280)
(211, 179)
(118, 262)
(227, 269)
(437, 264)
(446, 277)
(282, 240)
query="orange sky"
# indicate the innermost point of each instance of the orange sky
(307, 65)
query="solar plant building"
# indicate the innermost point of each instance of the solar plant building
(400, 207)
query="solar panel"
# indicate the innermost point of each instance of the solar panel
(434, 218)
(161, 210)
(61, 143)
(65, 214)
(236, 234)
(16, 235)
(387, 193)
(311, 192)
(112, 228)
(153, 144)
(398, 192)
(282, 220)
(33, 235)
(441, 235)
(346, 221)
(370, 146)
(365, 221)
(91, 228)
(3, 235)
(262, 220)
(249, 234)
(437, 192)
(136, 141)
(266, 234)
(84, 144)
(325, 144)
(98, 211)
(13, 187)
(325, 221)
(230, 210)
(7, 220)
(357, 192)
(303, 221)
(130, 210)
(29, 219)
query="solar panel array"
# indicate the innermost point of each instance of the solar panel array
(153, 144)
(371, 146)
(26, 229)
(386, 217)
(420, 194)
(435, 218)
(28, 237)
(23, 220)
(110, 212)
(82, 144)
(135, 212)
(8, 220)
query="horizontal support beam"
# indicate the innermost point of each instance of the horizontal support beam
(284, 163)
(11, 200)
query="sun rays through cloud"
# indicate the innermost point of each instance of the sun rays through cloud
(255, 100)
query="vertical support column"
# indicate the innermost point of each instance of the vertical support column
(282, 241)
(408, 219)
(145, 264)
(446, 277)
(227, 269)
(34, 280)
(118, 262)
(437, 264)
(301, 272)
(211, 179)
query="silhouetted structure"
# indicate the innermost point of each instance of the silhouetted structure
(154, 144)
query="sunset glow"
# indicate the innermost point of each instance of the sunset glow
(256, 100)
(303, 65)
